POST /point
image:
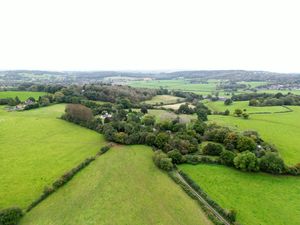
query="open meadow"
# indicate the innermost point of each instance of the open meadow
(37, 148)
(180, 84)
(219, 106)
(258, 198)
(23, 95)
(123, 186)
(165, 99)
(280, 129)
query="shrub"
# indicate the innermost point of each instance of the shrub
(104, 149)
(246, 161)
(10, 216)
(162, 161)
(77, 112)
(176, 156)
(245, 144)
(226, 157)
(271, 163)
(212, 149)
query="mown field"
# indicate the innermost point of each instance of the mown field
(123, 186)
(280, 129)
(23, 95)
(165, 99)
(181, 84)
(37, 148)
(162, 115)
(258, 198)
(219, 106)
(176, 106)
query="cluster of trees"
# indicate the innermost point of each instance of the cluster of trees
(241, 113)
(249, 96)
(31, 102)
(264, 99)
(246, 151)
(231, 86)
(276, 100)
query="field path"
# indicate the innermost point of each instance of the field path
(219, 216)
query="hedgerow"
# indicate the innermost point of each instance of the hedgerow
(10, 216)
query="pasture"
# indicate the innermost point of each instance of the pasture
(219, 106)
(123, 186)
(180, 84)
(162, 115)
(280, 129)
(23, 95)
(37, 148)
(176, 106)
(258, 198)
(163, 100)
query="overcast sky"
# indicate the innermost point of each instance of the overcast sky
(150, 35)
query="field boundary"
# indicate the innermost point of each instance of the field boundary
(66, 177)
(211, 212)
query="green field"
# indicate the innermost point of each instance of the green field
(123, 186)
(253, 84)
(258, 198)
(180, 84)
(23, 95)
(162, 115)
(175, 106)
(165, 99)
(280, 129)
(37, 148)
(219, 106)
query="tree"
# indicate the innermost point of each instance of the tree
(238, 112)
(185, 109)
(78, 112)
(31, 99)
(44, 101)
(162, 161)
(11, 102)
(176, 156)
(199, 127)
(148, 120)
(228, 101)
(161, 139)
(226, 112)
(17, 100)
(271, 163)
(212, 149)
(150, 139)
(246, 161)
(144, 109)
(59, 96)
(246, 144)
(202, 114)
(245, 115)
(227, 157)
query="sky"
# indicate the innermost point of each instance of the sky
(150, 35)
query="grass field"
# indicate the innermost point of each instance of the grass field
(219, 106)
(36, 148)
(166, 99)
(184, 85)
(253, 84)
(176, 106)
(123, 186)
(258, 198)
(23, 95)
(280, 129)
(162, 115)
